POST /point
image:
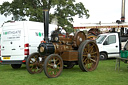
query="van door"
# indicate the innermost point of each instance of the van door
(111, 45)
(12, 43)
(0, 45)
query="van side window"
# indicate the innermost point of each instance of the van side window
(110, 40)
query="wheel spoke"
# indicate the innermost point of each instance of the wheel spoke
(31, 61)
(84, 55)
(85, 51)
(88, 48)
(93, 60)
(94, 53)
(35, 58)
(50, 65)
(88, 65)
(85, 60)
(91, 48)
(58, 63)
(54, 61)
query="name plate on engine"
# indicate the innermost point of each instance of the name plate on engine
(70, 56)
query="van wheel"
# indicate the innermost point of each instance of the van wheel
(103, 56)
(16, 66)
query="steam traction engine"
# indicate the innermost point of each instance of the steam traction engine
(64, 51)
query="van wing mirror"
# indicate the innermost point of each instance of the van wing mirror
(105, 43)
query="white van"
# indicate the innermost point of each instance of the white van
(0, 46)
(109, 45)
(19, 39)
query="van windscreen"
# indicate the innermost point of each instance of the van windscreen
(100, 39)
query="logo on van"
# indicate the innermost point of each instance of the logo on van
(12, 32)
(39, 34)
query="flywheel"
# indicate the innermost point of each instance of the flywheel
(79, 38)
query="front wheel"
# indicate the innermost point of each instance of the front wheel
(53, 66)
(34, 63)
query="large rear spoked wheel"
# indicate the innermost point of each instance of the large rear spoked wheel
(34, 63)
(88, 55)
(53, 66)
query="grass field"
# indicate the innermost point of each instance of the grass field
(105, 74)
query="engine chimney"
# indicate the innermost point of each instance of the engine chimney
(123, 11)
(46, 24)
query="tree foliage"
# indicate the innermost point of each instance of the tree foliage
(64, 11)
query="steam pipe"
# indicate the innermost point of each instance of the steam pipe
(123, 11)
(122, 20)
(46, 24)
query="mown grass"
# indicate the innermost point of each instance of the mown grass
(105, 74)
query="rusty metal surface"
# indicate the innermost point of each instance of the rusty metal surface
(70, 55)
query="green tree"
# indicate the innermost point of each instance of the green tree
(64, 11)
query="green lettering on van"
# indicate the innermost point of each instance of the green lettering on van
(5, 33)
(39, 34)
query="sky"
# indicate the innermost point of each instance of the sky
(106, 11)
